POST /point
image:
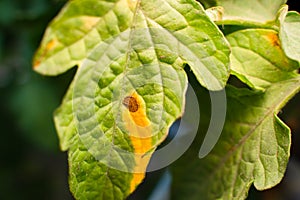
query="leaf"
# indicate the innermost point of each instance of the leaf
(76, 31)
(253, 148)
(259, 11)
(261, 65)
(289, 33)
(82, 25)
(90, 179)
(87, 179)
(64, 121)
(130, 83)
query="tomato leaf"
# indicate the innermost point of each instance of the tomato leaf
(261, 65)
(130, 85)
(254, 147)
(288, 33)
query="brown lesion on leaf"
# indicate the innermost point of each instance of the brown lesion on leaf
(274, 39)
(131, 103)
(140, 133)
(134, 104)
(48, 47)
(36, 63)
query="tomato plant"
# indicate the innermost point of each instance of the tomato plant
(134, 61)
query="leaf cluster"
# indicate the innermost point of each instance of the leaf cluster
(140, 51)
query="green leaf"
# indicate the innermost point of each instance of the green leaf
(90, 179)
(244, 11)
(130, 83)
(257, 58)
(289, 33)
(64, 121)
(254, 148)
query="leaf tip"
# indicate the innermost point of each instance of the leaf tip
(43, 52)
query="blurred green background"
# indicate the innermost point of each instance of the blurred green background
(31, 164)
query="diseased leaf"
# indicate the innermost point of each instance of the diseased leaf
(257, 58)
(82, 25)
(77, 30)
(289, 33)
(254, 147)
(130, 83)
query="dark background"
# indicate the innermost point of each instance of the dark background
(31, 164)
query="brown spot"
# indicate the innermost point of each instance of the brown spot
(36, 63)
(131, 103)
(273, 38)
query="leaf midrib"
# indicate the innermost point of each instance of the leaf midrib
(122, 89)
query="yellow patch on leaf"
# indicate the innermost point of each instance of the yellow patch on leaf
(90, 22)
(140, 132)
(132, 4)
(49, 46)
(274, 40)
(141, 165)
